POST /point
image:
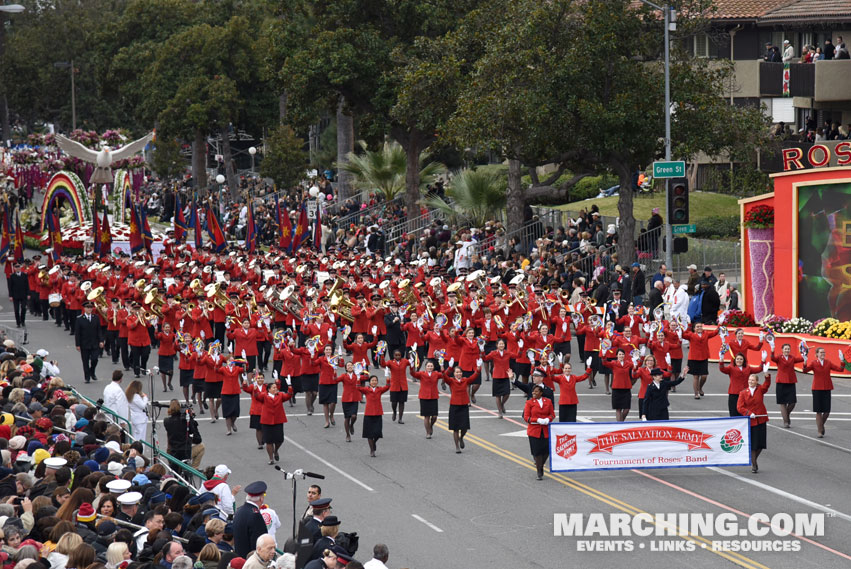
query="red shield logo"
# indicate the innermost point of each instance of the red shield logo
(566, 446)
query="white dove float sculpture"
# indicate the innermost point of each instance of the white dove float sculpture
(103, 158)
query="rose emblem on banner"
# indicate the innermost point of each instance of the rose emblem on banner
(732, 441)
(566, 446)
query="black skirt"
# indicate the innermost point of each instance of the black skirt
(310, 382)
(166, 364)
(786, 394)
(273, 434)
(254, 422)
(562, 348)
(199, 385)
(230, 406)
(521, 369)
(350, 408)
(732, 404)
(489, 347)
(821, 400)
(296, 384)
(595, 366)
(327, 394)
(758, 436)
(399, 396)
(459, 417)
(186, 377)
(567, 413)
(621, 398)
(540, 446)
(501, 386)
(372, 427)
(477, 381)
(428, 407)
(213, 390)
(698, 367)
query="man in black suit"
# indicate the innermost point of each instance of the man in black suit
(88, 337)
(537, 381)
(248, 524)
(313, 526)
(19, 290)
(617, 307)
(394, 337)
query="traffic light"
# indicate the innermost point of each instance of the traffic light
(678, 202)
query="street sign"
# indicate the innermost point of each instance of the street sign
(311, 209)
(675, 169)
(681, 229)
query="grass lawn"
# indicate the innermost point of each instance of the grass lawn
(701, 205)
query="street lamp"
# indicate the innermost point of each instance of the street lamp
(670, 25)
(252, 151)
(63, 65)
(220, 179)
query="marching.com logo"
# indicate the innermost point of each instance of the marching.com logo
(691, 531)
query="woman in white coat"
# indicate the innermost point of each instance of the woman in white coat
(138, 410)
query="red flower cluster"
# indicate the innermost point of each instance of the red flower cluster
(760, 217)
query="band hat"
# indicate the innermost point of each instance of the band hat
(129, 498)
(55, 462)
(118, 486)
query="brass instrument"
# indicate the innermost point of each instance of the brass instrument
(453, 287)
(341, 306)
(337, 287)
(292, 304)
(407, 292)
(477, 277)
(155, 301)
(564, 295)
(196, 287)
(518, 298)
(139, 285)
(98, 298)
(44, 277)
(218, 295)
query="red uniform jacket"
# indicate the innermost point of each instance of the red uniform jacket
(459, 396)
(786, 367)
(137, 333)
(501, 361)
(273, 412)
(621, 377)
(698, 348)
(398, 374)
(567, 387)
(230, 378)
(821, 373)
(738, 376)
(350, 382)
(245, 339)
(373, 399)
(538, 409)
(753, 403)
(428, 383)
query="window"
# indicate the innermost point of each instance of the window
(701, 45)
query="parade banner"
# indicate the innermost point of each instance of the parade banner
(650, 444)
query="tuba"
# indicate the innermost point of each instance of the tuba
(97, 297)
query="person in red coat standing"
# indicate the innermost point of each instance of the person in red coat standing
(397, 368)
(272, 418)
(538, 413)
(751, 405)
(245, 342)
(167, 351)
(372, 423)
(785, 389)
(350, 399)
(138, 339)
(698, 356)
(428, 395)
(822, 386)
(459, 403)
(501, 359)
(256, 386)
(739, 373)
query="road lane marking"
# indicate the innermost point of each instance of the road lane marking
(734, 557)
(331, 466)
(426, 522)
(782, 493)
(819, 441)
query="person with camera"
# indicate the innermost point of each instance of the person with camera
(184, 440)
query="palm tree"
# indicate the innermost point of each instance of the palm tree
(383, 170)
(477, 197)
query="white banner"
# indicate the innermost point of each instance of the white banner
(650, 444)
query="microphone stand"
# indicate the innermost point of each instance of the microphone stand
(153, 414)
(295, 475)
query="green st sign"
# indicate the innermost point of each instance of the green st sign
(676, 169)
(682, 229)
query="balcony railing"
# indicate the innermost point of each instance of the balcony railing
(823, 81)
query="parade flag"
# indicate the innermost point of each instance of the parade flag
(180, 225)
(95, 225)
(19, 238)
(250, 231)
(195, 223)
(136, 241)
(6, 241)
(317, 229)
(301, 229)
(147, 235)
(285, 226)
(651, 444)
(215, 231)
(54, 234)
(105, 238)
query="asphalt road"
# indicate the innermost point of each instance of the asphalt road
(484, 508)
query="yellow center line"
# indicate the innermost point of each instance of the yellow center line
(734, 557)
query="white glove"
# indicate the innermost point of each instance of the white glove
(644, 418)
(764, 356)
(646, 328)
(643, 350)
(374, 330)
(451, 362)
(488, 325)
(753, 415)
(560, 358)
(544, 421)
(588, 362)
(531, 355)
(330, 334)
(386, 372)
(289, 380)
(275, 375)
(631, 321)
(243, 354)
(244, 377)
(841, 356)
(519, 343)
(181, 323)
(230, 348)
(765, 367)
(668, 359)
(203, 335)
(227, 324)
(635, 361)
(761, 335)
(331, 317)
(479, 363)
(468, 322)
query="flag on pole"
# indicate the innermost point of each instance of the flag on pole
(136, 241)
(215, 230)
(19, 238)
(195, 223)
(301, 229)
(105, 238)
(317, 229)
(6, 241)
(147, 235)
(180, 225)
(54, 235)
(250, 231)
(95, 225)
(285, 226)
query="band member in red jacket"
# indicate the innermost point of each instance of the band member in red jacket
(739, 373)
(622, 382)
(255, 386)
(372, 413)
(698, 356)
(272, 418)
(428, 395)
(231, 387)
(350, 399)
(459, 403)
(138, 339)
(822, 386)
(751, 405)
(785, 385)
(397, 368)
(538, 413)
(567, 399)
(501, 359)
(166, 353)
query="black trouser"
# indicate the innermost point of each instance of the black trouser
(111, 345)
(45, 309)
(125, 352)
(139, 356)
(152, 334)
(252, 362)
(90, 362)
(59, 313)
(35, 305)
(20, 311)
(219, 333)
(70, 318)
(264, 350)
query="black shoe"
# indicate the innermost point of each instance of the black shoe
(87, 381)
(94, 378)
(277, 457)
